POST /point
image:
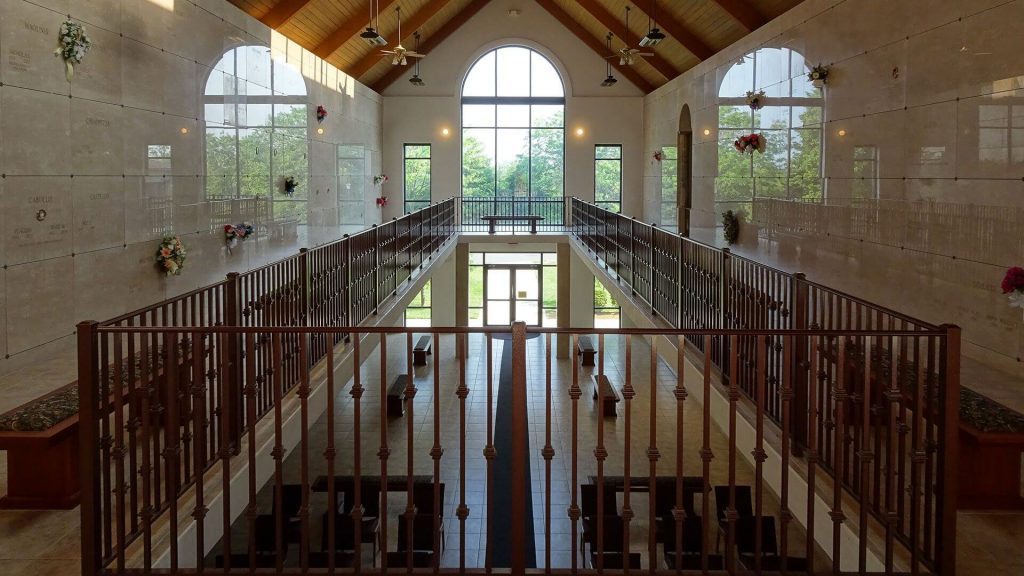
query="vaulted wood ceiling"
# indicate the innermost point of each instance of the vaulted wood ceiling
(695, 29)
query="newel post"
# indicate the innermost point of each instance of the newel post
(801, 369)
(88, 445)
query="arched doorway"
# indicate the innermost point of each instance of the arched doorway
(684, 178)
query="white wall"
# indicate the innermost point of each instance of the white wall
(607, 115)
(78, 150)
(910, 77)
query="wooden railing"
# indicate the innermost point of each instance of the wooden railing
(865, 399)
(553, 210)
(693, 286)
(296, 473)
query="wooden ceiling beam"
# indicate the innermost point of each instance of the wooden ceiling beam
(598, 11)
(408, 28)
(435, 39)
(674, 28)
(595, 44)
(345, 32)
(282, 12)
(743, 13)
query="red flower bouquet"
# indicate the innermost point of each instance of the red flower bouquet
(750, 143)
(321, 113)
(382, 201)
(1013, 286)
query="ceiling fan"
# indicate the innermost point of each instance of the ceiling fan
(370, 35)
(626, 53)
(400, 53)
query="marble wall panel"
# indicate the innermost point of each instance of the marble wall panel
(36, 128)
(98, 77)
(98, 206)
(96, 138)
(40, 302)
(990, 54)
(29, 32)
(37, 218)
(99, 294)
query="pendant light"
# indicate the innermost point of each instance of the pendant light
(610, 80)
(654, 36)
(416, 80)
(370, 35)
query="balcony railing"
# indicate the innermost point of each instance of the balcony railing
(553, 210)
(224, 385)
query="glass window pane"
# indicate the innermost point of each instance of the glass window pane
(513, 162)
(513, 71)
(739, 78)
(547, 116)
(513, 258)
(550, 259)
(291, 158)
(478, 115)
(476, 258)
(550, 287)
(417, 179)
(608, 180)
(498, 312)
(547, 148)
(258, 114)
(527, 284)
(480, 80)
(608, 152)
(417, 150)
(774, 117)
(476, 286)
(289, 114)
(478, 162)
(544, 79)
(527, 311)
(514, 116)
(735, 117)
(499, 283)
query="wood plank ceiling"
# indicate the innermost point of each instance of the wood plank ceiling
(695, 29)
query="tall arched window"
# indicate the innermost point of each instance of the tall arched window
(513, 129)
(256, 116)
(791, 122)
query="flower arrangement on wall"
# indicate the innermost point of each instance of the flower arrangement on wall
(321, 113)
(290, 185)
(235, 232)
(659, 155)
(818, 76)
(731, 226)
(1013, 287)
(750, 143)
(382, 201)
(73, 43)
(756, 99)
(380, 179)
(170, 256)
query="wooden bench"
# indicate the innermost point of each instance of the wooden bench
(586, 350)
(396, 397)
(492, 220)
(608, 393)
(42, 456)
(420, 351)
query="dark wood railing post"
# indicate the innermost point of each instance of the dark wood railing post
(88, 445)
(801, 381)
(949, 457)
(233, 362)
(724, 280)
(376, 269)
(520, 515)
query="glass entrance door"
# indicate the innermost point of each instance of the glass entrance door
(513, 293)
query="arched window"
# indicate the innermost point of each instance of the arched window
(255, 113)
(790, 121)
(513, 130)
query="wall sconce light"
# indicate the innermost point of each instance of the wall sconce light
(319, 130)
(579, 131)
(707, 132)
(184, 130)
(842, 132)
(445, 132)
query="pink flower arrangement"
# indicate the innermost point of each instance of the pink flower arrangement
(170, 257)
(380, 179)
(1013, 286)
(750, 143)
